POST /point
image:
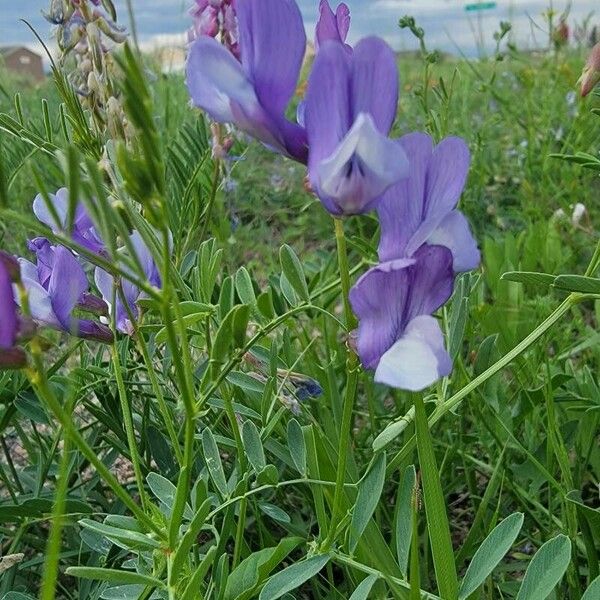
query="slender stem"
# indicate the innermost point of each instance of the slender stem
(129, 430)
(350, 392)
(593, 266)
(235, 427)
(183, 368)
(211, 201)
(132, 24)
(48, 589)
(162, 405)
(344, 269)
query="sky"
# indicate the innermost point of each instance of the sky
(448, 26)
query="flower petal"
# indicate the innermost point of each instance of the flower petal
(417, 359)
(378, 299)
(272, 44)
(40, 304)
(455, 234)
(8, 310)
(342, 16)
(446, 177)
(401, 207)
(361, 168)
(218, 84)
(145, 259)
(44, 254)
(66, 286)
(330, 26)
(92, 330)
(375, 82)
(327, 105)
(431, 281)
(60, 202)
(215, 78)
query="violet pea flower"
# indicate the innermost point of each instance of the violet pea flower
(83, 233)
(424, 242)
(11, 357)
(422, 208)
(397, 336)
(254, 94)
(350, 106)
(57, 286)
(332, 26)
(106, 285)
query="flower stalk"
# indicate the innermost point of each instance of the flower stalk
(352, 370)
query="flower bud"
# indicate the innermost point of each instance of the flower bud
(56, 12)
(93, 304)
(95, 44)
(591, 72)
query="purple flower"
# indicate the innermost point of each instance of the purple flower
(10, 356)
(424, 242)
(106, 284)
(254, 94)
(57, 286)
(397, 337)
(422, 208)
(332, 26)
(351, 104)
(83, 233)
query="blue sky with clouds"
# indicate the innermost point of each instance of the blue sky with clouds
(446, 22)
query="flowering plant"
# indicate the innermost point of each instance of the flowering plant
(210, 430)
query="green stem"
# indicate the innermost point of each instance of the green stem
(48, 589)
(129, 430)
(211, 201)
(162, 405)
(342, 253)
(350, 393)
(183, 368)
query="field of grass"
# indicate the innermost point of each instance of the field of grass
(188, 460)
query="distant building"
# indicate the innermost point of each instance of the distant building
(23, 61)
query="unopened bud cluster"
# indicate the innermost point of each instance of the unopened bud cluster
(215, 18)
(86, 34)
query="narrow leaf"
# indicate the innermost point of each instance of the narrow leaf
(364, 588)
(490, 553)
(114, 575)
(544, 279)
(297, 445)
(213, 461)
(546, 569)
(292, 268)
(253, 446)
(404, 517)
(369, 492)
(292, 577)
